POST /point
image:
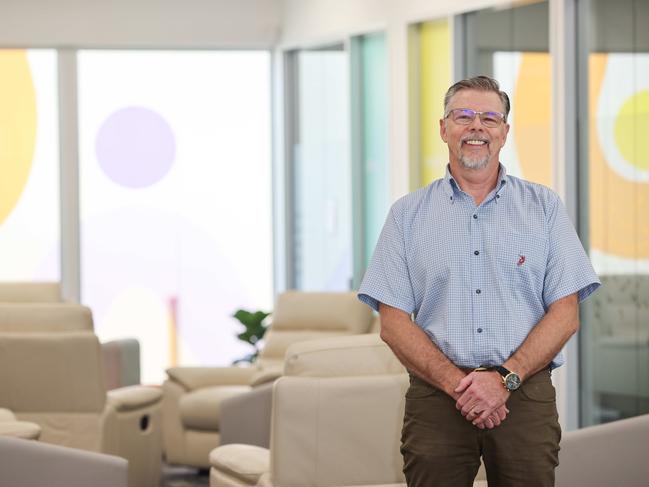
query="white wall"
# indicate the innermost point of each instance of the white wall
(139, 23)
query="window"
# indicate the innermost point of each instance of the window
(371, 184)
(615, 203)
(322, 202)
(175, 196)
(512, 45)
(29, 164)
(430, 77)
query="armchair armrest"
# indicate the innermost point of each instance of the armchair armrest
(133, 397)
(267, 374)
(20, 429)
(351, 355)
(35, 464)
(6, 415)
(245, 418)
(239, 464)
(198, 377)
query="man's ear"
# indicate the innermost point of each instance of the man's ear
(442, 129)
(506, 133)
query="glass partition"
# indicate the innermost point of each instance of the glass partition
(512, 45)
(321, 176)
(430, 77)
(371, 188)
(615, 204)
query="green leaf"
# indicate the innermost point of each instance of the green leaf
(254, 325)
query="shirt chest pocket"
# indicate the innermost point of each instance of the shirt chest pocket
(521, 259)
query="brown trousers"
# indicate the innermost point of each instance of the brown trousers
(441, 448)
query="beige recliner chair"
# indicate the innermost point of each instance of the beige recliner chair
(56, 381)
(605, 455)
(30, 292)
(192, 395)
(336, 421)
(35, 464)
(121, 357)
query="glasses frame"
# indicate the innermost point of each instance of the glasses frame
(481, 115)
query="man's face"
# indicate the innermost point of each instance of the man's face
(474, 146)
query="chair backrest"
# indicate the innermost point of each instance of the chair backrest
(357, 355)
(51, 372)
(337, 414)
(30, 292)
(56, 381)
(45, 317)
(620, 305)
(608, 454)
(35, 464)
(300, 316)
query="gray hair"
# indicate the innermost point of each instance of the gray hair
(478, 83)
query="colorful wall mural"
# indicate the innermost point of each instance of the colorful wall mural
(29, 165)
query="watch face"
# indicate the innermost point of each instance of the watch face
(512, 381)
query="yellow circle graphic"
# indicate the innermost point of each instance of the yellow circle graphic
(17, 127)
(631, 126)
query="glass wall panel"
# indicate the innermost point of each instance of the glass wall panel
(322, 207)
(29, 166)
(430, 48)
(511, 45)
(371, 86)
(175, 195)
(615, 202)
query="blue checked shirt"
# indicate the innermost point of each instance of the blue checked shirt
(478, 278)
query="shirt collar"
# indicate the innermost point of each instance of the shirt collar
(450, 185)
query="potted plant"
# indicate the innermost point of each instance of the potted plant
(255, 328)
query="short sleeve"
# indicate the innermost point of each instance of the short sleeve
(568, 269)
(387, 279)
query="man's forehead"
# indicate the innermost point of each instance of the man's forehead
(476, 99)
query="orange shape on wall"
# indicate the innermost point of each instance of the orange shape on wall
(618, 207)
(532, 99)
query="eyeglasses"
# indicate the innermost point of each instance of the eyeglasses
(466, 116)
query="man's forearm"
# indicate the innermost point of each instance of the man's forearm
(547, 338)
(417, 352)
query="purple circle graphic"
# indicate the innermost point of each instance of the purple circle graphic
(135, 147)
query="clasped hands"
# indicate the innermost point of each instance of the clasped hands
(482, 399)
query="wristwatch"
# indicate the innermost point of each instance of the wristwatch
(511, 380)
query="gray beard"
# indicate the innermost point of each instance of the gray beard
(474, 163)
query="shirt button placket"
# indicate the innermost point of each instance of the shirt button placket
(477, 274)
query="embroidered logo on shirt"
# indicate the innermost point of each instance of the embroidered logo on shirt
(521, 260)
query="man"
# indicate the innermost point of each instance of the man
(491, 271)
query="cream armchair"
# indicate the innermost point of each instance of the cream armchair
(121, 357)
(35, 464)
(336, 421)
(30, 292)
(605, 455)
(192, 395)
(56, 381)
